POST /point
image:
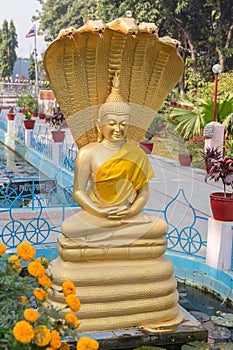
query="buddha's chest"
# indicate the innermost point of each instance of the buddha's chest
(101, 157)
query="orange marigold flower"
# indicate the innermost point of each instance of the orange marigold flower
(14, 260)
(42, 335)
(55, 341)
(73, 302)
(68, 287)
(40, 294)
(26, 251)
(30, 315)
(23, 332)
(65, 346)
(43, 261)
(71, 320)
(24, 299)
(2, 248)
(36, 269)
(49, 348)
(86, 343)
(45, 281)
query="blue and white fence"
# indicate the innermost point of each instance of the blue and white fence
(33, 209)
(46, 210)
(61, 154)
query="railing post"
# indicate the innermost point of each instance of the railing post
(214, 135)
(57, 153)
(28, 137)
(10, 124)
(219, 244)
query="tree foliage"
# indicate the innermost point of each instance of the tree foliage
(8, 45)
(143, 11)
(204, 28)
(191, 116)
(31, 68)
(58, 14)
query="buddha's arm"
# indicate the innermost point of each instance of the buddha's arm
(81, 178)
(136, 207)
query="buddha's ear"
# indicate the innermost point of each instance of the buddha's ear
(99, 129)
(98, 125)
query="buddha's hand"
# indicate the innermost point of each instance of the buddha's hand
(111, 212)
(122, 213)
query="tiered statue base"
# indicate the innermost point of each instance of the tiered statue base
(119, 287)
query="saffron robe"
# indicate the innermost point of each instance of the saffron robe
(115, 182)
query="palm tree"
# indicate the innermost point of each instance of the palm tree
(187, 117)
(190, 117)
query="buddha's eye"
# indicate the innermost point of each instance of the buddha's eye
(111, 123)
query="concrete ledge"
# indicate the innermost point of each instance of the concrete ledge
(128, 339)
(193, 271)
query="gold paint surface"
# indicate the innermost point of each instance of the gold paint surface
(80, 70)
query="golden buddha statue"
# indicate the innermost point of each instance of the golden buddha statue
(111, 249)
(116, 173)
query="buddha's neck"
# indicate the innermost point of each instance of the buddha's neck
(113, 145)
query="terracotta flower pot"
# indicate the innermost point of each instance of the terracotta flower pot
(29, 124)
(47, 119)
(222, 207)
(185, 159)
(58, 135)
(146, 146)
(41, 115)
(11, 116)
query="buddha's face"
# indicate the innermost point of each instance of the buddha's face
(114, 127)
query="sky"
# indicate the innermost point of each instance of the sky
(21, 12)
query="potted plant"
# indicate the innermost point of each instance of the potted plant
(42, 115)
(211, 153)
(11, 114)
(146, 144)
(182, 149)
(185, 156)
(29, 122)
(34, 111)
(21, 103)
(185, 159)
(57, 122)
(26, 103)
(222, 202)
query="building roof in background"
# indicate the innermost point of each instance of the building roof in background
(46, 95)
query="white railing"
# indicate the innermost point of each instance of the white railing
(40, 140)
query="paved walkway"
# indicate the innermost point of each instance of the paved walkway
(170, 176)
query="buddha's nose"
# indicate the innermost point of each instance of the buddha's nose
(118, 127)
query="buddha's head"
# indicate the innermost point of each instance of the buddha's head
(114, 115)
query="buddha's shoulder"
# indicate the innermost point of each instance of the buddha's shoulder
(87, 149)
